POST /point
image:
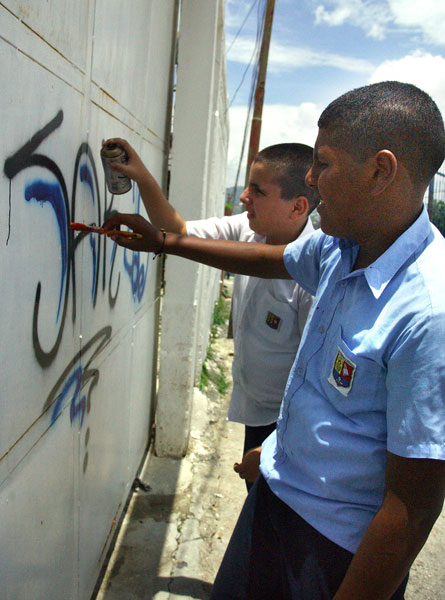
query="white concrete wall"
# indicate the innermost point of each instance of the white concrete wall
(215, 188)
(79, 318)
(197, 190)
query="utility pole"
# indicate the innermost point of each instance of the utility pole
(255, 129)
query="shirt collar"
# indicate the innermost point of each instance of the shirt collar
(380, 272)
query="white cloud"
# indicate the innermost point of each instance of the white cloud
(298, 123)
(289, 57)
(281, 123)
(284, 58)
(429, 17)
(420, 68)
(377, 17)
(373, 17)
(235, 11)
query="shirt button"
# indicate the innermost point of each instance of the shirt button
(299, 371)
(321, 329)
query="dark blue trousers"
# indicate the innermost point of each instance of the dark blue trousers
(275, 555)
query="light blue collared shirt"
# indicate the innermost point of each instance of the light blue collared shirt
(369, 377)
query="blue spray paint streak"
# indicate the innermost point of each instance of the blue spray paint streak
(44, 191)
(86, 177)
(135, 270)
(137, 274)
(78, 405)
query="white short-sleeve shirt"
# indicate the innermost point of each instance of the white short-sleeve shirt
(268, 320)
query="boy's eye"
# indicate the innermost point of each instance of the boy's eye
(319, 163)
(256, 190)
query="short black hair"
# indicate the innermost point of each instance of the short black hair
(290, 162)
(389, 115)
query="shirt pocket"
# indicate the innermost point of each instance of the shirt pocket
(351, 380)
(274, 322)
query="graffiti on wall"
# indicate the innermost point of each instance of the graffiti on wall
(78, 379)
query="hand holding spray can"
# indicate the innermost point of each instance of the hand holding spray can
(117, 183)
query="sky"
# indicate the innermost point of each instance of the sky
(318, 51)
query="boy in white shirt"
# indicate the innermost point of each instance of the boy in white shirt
(268, 314)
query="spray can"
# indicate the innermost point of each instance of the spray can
(117, 183)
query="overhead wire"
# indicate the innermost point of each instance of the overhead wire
(242, 26)
(254, 53)
(261, 19)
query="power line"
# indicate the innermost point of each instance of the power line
(255, 51)
(257, 117)
(241, 28)
(261, 18)
(254, 54)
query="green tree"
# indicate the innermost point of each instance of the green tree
(438, 215)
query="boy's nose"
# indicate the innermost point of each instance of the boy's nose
(309, 180)
(244, 196)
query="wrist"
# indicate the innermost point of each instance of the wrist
(142, 178)
(161, 245)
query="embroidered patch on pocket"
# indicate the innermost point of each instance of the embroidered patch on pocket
(273, 321)
(342, 373)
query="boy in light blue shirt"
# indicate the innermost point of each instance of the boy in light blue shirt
(353, 479)
(367, 380)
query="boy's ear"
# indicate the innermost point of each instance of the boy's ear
(300, 207)
(385, 169)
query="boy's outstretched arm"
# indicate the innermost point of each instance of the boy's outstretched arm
(161, 213)
(247, 258)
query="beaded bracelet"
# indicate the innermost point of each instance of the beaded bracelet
(160, 251)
